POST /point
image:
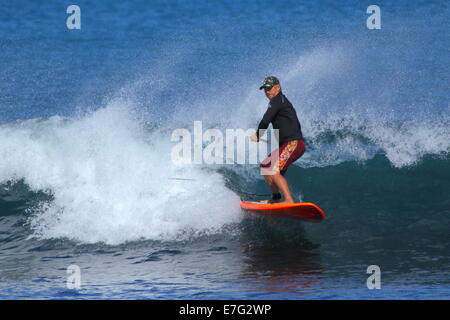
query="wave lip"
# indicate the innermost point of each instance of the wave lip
(404, 143)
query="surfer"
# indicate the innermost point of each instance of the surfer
(283, 117)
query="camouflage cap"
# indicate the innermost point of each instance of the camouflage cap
(269, 82)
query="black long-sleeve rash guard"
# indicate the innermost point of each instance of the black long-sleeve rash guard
(283, 117)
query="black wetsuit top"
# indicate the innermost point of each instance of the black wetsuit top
(283, 117)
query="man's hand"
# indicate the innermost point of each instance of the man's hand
(254, 138)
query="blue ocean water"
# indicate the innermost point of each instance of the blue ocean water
(85, 124)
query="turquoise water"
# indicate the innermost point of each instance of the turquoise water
(85, 175)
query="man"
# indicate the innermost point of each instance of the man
(283, 117)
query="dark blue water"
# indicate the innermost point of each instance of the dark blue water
(86, 179)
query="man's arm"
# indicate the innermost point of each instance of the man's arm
(271, 111)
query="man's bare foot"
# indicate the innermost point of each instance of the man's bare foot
(286, 202)
(271, 201)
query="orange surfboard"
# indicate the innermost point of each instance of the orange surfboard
(305, 211)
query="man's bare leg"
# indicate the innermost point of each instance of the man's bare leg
(282, 185)
(273, 187)
(278, 183)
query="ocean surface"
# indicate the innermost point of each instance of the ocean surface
(86, 176)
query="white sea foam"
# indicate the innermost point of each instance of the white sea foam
(111, 180)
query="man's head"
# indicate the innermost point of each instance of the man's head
(271, 86)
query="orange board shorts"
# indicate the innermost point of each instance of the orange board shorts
(279, 160)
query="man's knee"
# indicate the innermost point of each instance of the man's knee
(268, 173)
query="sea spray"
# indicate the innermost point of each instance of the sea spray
(109, 180)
